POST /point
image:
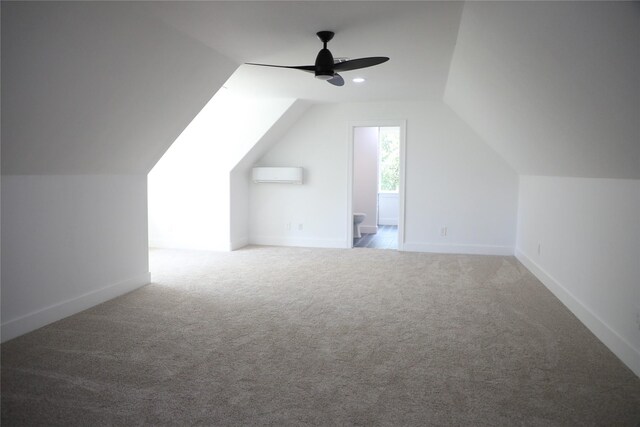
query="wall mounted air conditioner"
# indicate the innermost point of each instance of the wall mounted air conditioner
(277, 175)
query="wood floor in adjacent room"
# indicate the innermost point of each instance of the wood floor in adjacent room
(385, 238)
(291, 336)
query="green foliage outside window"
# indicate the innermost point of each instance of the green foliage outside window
(389, 139)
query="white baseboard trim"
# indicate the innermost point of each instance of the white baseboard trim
(297, 242)
(239, 243)
(453, 248)
(214, 246)
(388, 221)
(629, 355)
(368, 229)
(37, 319)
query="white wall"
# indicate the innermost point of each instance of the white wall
(453, 179)
(97, 87)
(189, 209)
(241, 173)
(589, 236)
(554, 87)
(92, 95)
(365, 176)
(68, 243)
(388, 208)
(190, 187)
(239, 208)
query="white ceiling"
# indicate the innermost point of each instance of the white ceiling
(106, 87)
(553, 87)
(419, 37)
(99, 87)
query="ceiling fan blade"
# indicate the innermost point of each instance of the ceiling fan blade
(326, 66)
(336, 80)
(307, 68)
(355, 64)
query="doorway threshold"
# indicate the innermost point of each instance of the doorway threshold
(385, 238)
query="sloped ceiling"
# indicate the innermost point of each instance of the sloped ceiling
(419, 37)
(106, 87)
(554, 87)
(272, 136)
(97, 88)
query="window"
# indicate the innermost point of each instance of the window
(389, 158)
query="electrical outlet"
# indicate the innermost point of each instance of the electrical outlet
(443, 232)
(287, 226)
(538, 249)
(300, 226)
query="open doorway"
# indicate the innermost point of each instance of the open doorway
(376, 185)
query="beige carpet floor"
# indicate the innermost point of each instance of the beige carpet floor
(287, 336)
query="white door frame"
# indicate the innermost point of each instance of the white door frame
(402, 124)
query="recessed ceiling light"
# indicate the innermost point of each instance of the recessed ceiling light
(358, 80)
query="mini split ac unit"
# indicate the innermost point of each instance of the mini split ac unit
(277, 175)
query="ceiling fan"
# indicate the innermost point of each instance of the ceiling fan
(326, 68)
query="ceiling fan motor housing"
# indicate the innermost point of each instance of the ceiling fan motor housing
(324, 65)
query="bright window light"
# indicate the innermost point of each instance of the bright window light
(358, 80)
(389, 159)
